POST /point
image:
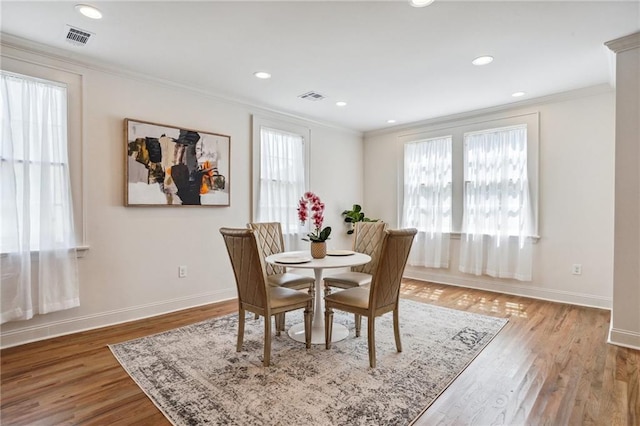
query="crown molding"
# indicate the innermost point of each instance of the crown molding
(622, 44)
(522, 107)
(68, 59)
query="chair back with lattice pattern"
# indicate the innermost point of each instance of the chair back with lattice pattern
(368, 237)
(270, 241)
(248, 266)
(385, 283)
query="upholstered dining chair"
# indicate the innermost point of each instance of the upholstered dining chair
(368, 238)
(381, 297)
(255, 294)
(270, 241)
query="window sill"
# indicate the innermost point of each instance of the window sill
(457, 236)
(80, 250)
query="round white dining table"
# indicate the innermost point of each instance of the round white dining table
(303, 260)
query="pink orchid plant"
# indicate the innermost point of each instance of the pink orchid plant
(311, 201)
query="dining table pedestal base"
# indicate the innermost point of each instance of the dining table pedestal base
(339, 332)
(345, 259)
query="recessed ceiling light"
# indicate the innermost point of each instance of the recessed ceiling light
(341, 103)
(89, 11)
(262, 74)
(391, 121)
(482, 60)
(420, 3)
(518, 94)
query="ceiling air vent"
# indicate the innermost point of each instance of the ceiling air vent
(76, 36)
(311, 96)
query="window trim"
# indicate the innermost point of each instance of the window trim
(457, 130)
(466, 181)
(259, 122)
(75, 132)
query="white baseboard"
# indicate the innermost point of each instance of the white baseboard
(104, 319)
(513, 288)
(625, 338)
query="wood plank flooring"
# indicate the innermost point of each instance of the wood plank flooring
(550, 365)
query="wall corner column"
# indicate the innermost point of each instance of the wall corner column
(625, 313)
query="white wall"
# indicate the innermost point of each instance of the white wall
(576, 169)
(131, 268)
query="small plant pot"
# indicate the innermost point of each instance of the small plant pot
(318, 250)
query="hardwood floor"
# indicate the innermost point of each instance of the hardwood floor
(550, 365)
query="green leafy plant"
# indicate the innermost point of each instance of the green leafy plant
(355, 215)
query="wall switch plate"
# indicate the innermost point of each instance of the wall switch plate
(576, 269)
(182, 271)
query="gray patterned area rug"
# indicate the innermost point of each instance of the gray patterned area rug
(194, 375)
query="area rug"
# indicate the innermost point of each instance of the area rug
(194, 375)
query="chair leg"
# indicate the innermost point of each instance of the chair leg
(396, 329)
(328, 327)
(241, 315)
(307, 326)
(279, 323)
(267, 342)
(372, 340)
(312, 293)
(358, 321)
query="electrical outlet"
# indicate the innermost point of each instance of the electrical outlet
(576, 269)
(182, 271)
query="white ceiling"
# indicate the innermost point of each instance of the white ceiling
(387, 59)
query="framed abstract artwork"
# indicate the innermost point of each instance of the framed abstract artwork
(174, 166)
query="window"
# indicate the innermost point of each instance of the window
(34, 164)
(35, 191)
(428, 199)
(496, 191)
(281, 169)
(497, 218)
(73, 83)
(427, 185)
(490, 200)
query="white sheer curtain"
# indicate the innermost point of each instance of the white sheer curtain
(427, 200)
(281, 182)
(497, 219)
(38, 256)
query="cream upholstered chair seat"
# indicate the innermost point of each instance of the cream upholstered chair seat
(368, 238)
(255, 294)
(381, 297)
(283, 297)
(357, 297)
(348, 279)
(290, 280)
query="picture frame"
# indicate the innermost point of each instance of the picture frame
(174, 166)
